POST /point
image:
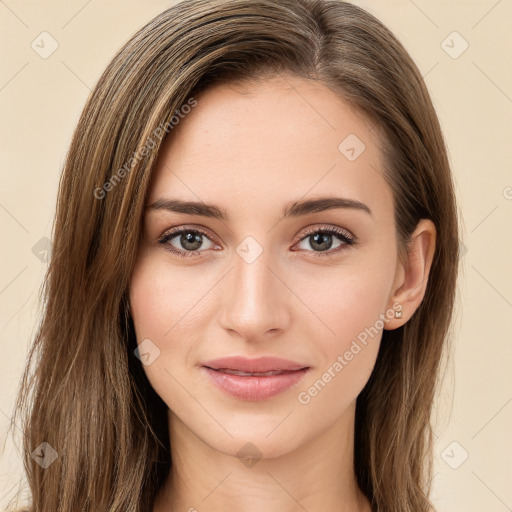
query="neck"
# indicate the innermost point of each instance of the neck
(317, 476)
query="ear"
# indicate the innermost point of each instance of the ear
(411, 276)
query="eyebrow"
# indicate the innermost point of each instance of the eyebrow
(294, 209)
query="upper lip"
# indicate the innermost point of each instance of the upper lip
(262, 364)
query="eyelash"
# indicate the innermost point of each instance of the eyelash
(342, 235)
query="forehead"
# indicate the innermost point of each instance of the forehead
(280, 139)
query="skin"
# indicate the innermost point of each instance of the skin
(251, 152)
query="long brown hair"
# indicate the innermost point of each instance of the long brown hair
(83, 390)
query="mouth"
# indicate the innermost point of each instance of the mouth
(254, 366)
(254, 379)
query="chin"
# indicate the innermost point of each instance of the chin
(254, 435)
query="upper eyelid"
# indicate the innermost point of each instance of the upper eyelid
(308, 230)
(176, 231)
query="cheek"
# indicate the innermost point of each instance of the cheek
(163, 299)
(350, 302)
(352, 307)
(347, 360)
(357, 309)
(168, 306)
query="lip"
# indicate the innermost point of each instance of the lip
(254, 387)
(261, 364)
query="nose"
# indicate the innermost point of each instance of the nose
(256, 301)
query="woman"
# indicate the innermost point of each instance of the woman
(253, 273)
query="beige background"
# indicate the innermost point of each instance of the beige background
(41, 99)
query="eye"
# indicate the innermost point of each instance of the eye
(321, 240)
(189, 239)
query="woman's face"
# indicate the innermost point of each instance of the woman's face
(258, 282)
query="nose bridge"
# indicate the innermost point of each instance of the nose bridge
(255, 300)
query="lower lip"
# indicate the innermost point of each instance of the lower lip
(254, 388)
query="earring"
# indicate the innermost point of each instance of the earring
(398, 314)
